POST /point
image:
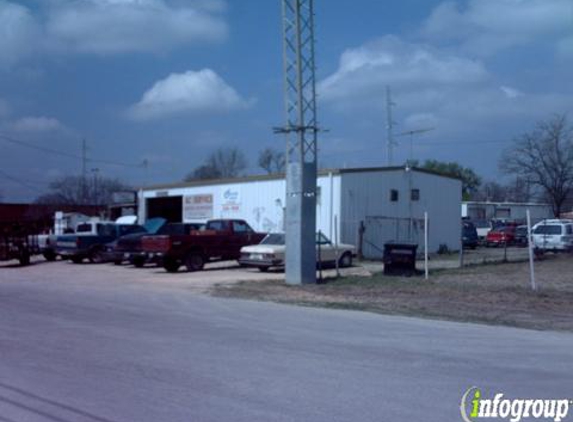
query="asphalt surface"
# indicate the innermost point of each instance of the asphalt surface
(90, 344)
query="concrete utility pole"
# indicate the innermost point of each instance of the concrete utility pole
(390, 127)
(301, 136)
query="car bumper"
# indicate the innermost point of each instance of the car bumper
(248, 262)
(112, 256)
(555, 247)
(71, 254)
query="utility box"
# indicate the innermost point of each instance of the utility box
(400, 258)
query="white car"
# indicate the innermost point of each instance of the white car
(553, 235)
(271, 252)
(483, 227)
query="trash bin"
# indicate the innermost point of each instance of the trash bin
(400, 258)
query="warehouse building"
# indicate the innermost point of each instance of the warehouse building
(366, 206)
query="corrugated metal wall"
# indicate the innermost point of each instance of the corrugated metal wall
(366, 197)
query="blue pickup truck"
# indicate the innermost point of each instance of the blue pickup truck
(90, 239)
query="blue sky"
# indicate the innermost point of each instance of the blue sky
(171, 80)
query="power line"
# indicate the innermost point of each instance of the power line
(367, 149)
(20, 182)
(65, 154)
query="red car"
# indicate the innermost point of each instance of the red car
(500, 236)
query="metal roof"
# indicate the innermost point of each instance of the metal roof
(278, 176)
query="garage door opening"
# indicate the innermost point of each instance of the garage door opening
(169, 207)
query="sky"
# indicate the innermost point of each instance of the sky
(170, 81)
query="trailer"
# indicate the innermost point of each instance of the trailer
(16, 243)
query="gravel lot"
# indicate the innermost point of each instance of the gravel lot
(491, 293)
(216, 273)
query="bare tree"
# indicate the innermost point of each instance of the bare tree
(272, 161)
(515, 191)
(75, 190)
(544, 158)
(224, 163)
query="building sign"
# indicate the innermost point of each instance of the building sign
(197, 207)
(231, 201)
(123, 197)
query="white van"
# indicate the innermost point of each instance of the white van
(553, 235)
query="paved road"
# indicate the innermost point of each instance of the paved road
(106, 349)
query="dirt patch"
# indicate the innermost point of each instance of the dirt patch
(492, 294)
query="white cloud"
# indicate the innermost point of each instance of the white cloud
(510, 92)
(36, 124)
(364, 72)
(107, 27)
(432, 88)
(189, 92)
(418, 121)
(117, 26)
(18, 33)
(484, 27)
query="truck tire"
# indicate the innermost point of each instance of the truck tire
(138, 261)
(96, 256)
(24, 257)
(345, 260)
(76, 259)
(49, 255)
(171, 265)
(264, 269)
(194, 262)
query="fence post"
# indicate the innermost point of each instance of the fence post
(361, 231)
(426, 273)
(320, 279)
(505, 247)
(530, 246)
(336, 246)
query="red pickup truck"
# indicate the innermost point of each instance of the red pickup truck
(220, 239)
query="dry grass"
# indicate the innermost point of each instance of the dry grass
(491, 294)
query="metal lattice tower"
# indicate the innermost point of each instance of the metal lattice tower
(301, 135)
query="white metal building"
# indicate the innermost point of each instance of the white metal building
(389, 203)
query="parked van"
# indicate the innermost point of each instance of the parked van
(553, 235)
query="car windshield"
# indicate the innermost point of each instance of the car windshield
(322, 239)
(153, 225)
(522, 230)
(274, 239)
(468, 230)
(548, 229)
(279, 239)
(482, 224)
(505, 229)
(130, 229)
